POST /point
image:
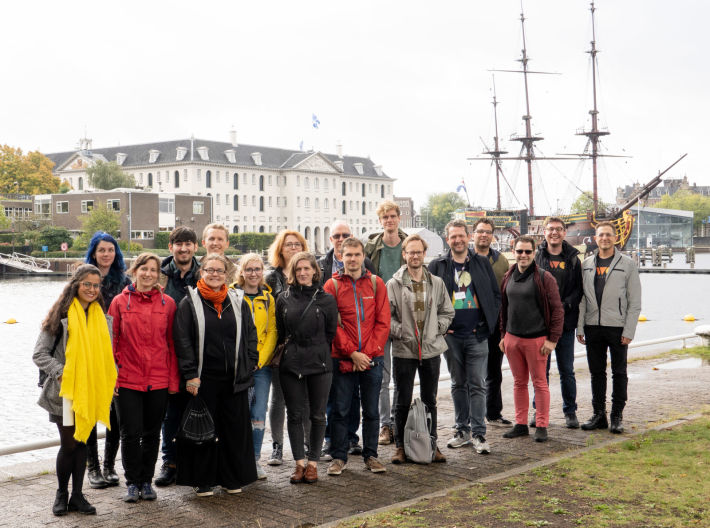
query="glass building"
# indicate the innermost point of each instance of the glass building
(661, 227)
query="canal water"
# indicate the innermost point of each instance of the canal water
(667, 298)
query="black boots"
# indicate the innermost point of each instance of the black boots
(540, 434)
(96, 479)
(78, 503)
(597, 421)
(516, 431)
(616, 426)
(167, 475)
(110, 450)
(60, 503)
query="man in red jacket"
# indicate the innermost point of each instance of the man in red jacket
(358, 353)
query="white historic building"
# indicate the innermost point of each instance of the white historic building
(252, 188)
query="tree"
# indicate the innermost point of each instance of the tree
(108, 176)
(436, 213)
(101, 218)
(5, 222)
(688, 201)
(53, 237)
(26, 174)
(585, 202)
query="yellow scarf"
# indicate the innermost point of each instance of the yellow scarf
(89, 372)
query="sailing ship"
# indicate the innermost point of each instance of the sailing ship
(581, 227)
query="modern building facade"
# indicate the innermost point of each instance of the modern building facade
(661, 227)
(253, 188)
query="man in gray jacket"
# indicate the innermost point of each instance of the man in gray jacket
(608, 314)
(421, 314)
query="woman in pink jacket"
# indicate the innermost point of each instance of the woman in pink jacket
(147, 371)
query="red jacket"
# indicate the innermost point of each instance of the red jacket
(364, 315)
(143, 340)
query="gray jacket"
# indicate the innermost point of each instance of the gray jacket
(439, 314)
(49, 399)
(621, 300)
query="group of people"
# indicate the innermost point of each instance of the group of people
(316, 342)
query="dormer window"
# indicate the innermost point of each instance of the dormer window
(339, 165)
(153, 155)
(256, 157)
(378, 170)
(120, 158)
(180, 155)
(204, 153)
(358, 168)
(231, 155)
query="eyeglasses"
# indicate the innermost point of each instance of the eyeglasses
(90, 285)
(338, 236)
(526, 251)
(293, 245)
(483, 232)
(554, 229)
(213, 271)
(249, 271)
(415, 253)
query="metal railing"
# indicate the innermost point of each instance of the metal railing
(25, 262)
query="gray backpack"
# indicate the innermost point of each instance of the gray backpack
(419, 445)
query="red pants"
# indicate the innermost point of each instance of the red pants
(526, 362)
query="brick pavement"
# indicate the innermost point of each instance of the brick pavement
(656, 395)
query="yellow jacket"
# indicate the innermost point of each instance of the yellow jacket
(263, 311)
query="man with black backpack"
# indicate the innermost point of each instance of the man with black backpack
(421, 314)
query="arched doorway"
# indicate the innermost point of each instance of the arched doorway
(326, 239)
(309, 239)
(318, 249)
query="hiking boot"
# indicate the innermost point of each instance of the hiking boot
(480, 445)
(516, 431)
(110, 450)
(325, 455)
(540, 434)
(460, 439)
(597, 421)
(500, 421)
(61, 502)
(147, 492)
(336, 467)
(132, 494)
(93, 465)
(277, 456)
(297, 475)
(571, 421)
(616, 426)
(374, 465)
(311, 474)
(399, 456)
(439, 457)
(355, 448)
(203, 491)
(386, 435)
(78, 503)
(167, 475)
(260, 473)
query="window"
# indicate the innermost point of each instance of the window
(261, 203)
(166, 205)
(316, 203)
(150, 179)
(113, 205)
(244, 178)
(315, 183)
(306, 183)
(226, 199)
(217, 177)
(261, 182)
(308, 202)
(253, 179)
(184, 175)
(325, 204)
(142, 235)
(350, 187)
(208, 179)
(87, 205)
(363, 207)
(382, 191)
(198, 207)
(363, 189)
(261, 229)
(81, 183)
(199, 174)
(270, 202)
(278, 201)
(236, 202)
(226, 177)
(298, 201)
(253, 200)
(345, 188)
(344, 206)
(325, 184)
(62, 207)
(217, 197)
(284, 201)
(236, 181)
(177, 179)
(236, 229)
(269, 179)
(298, 180)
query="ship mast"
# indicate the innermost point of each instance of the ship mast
(496, 152)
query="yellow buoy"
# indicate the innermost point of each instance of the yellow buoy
(11, 321)
(689, 318)
(642, 318)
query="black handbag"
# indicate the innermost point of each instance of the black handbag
(197, 425)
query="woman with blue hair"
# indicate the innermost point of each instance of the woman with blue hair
(104, 253)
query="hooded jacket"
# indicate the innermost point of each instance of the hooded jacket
(439, 314)
(364, 314)
(175, 284)
(373, 248)
(325, 263)
(143, 340)
(263, 312)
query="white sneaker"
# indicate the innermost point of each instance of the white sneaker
(260, 473)
(480, 445)
(460, 439)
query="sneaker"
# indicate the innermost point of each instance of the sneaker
(460, 439)
(571, 421)
(374, 465)
(355, 448)
(540, 434)
(500, 421)
(203, 491)
(60, 503)
(277, 456)
(480, 444)
(386, 435)
(325, 455)
(516, 431)
(132, 494)
(233, 491)
(260, 473)
(336, 467)
(167, 475)
(78, 503)
(147, 492)
(399, 456)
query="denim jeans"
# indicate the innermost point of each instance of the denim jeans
(385, 404)
(370, 382)
(257, 409)
(403, 371)
(171, 423)
(353, 420)
(467, 359)
(564, 353)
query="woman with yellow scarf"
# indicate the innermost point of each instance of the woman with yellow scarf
(74, 350)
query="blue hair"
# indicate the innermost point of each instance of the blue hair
(118, 266)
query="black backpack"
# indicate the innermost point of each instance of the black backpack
(42, 373)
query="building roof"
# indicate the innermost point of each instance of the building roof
(271, 157)
(670, 212)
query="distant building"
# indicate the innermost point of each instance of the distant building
(407, 213)
(142, 213)
(16, 206)
(669, 186)
(661, 227)
(254, 188)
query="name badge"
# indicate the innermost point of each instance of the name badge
(460, 295)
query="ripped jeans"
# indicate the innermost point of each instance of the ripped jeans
(257, 407)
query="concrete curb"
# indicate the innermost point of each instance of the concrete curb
(516, 471)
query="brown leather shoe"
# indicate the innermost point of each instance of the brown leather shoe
(399, 456)
(311, 474)
(439, 456)
(297, 475)
(386, 435)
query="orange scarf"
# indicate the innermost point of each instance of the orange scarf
(216, 297)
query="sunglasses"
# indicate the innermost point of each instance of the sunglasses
(526, 251)
(338, 236)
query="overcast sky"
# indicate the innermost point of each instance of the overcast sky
(406, 83)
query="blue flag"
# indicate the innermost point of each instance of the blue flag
(461, 186)
(300, 145)
(316, 121)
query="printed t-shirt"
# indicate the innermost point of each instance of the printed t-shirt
(464, 301)
(600, 276)
(558, 268)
